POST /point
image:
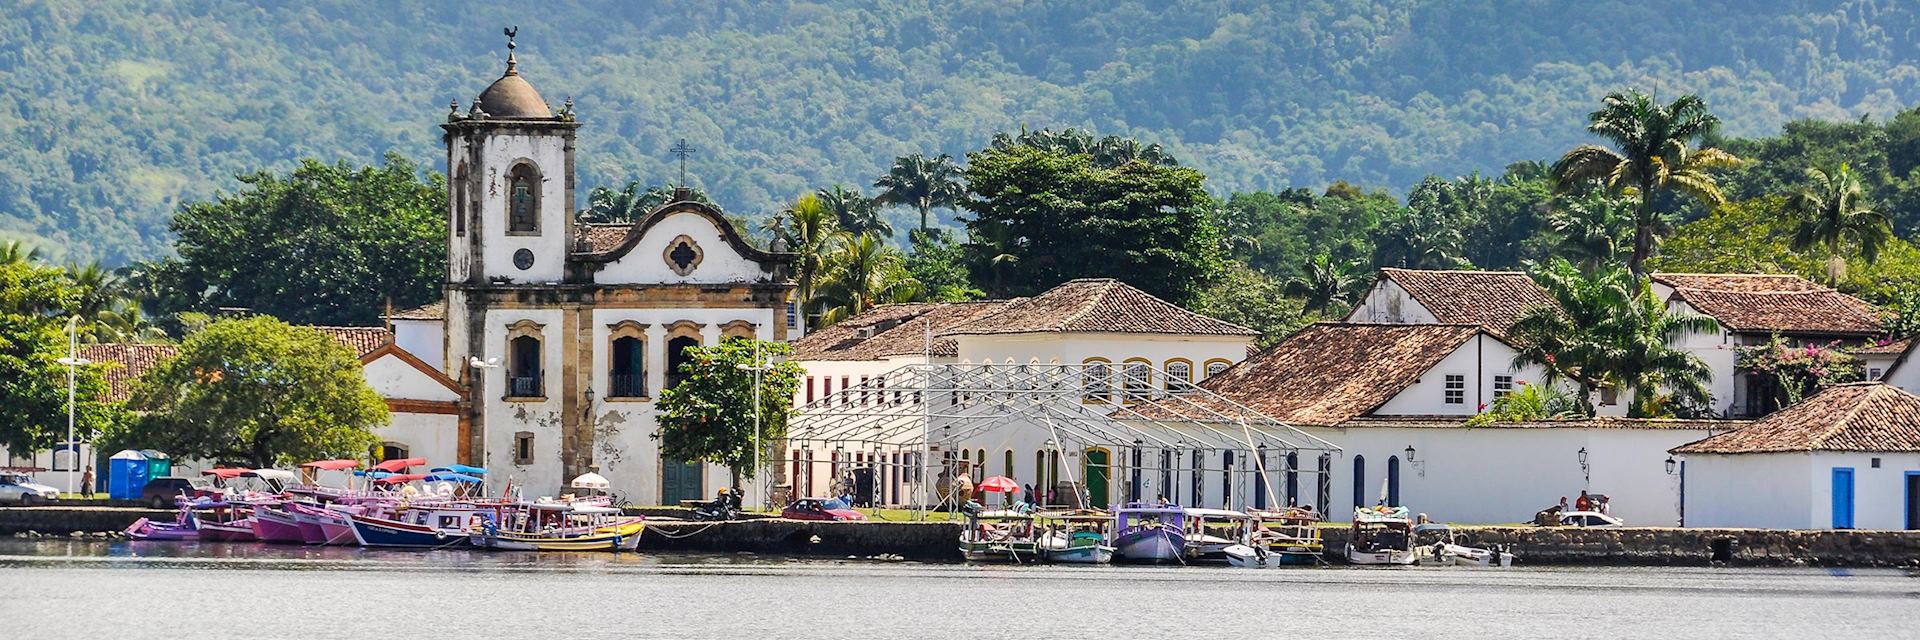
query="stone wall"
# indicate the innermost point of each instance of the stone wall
(908, 540)
(62, 520)
(1669, 546)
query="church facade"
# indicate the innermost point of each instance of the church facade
(563, 333)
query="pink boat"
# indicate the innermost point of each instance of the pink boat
(329, 525)
(231, 531)
(270, 524)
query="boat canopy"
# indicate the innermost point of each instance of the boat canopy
(453, 477)
(459, 468)
(225, 473)
(332, 465)
(1218, 514)
(1382, 515)
(399, 464)
(398, 478)
(1002, 514)
(281, 475)
(593, 509)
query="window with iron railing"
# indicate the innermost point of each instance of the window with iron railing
(527, 386)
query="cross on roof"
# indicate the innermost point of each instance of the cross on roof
(683, 150)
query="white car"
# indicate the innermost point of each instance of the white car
(1590, 519)
(17, 488)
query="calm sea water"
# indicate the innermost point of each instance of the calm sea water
(92, 590)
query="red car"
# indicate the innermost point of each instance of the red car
(831, 509)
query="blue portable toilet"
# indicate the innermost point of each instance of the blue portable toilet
(126, 475)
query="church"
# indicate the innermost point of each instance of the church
(563, 332)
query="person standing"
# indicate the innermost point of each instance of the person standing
(86, 483)
(1584, 503)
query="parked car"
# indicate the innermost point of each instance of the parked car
(17, 488)
(160, 493)
(1591, 519)
(828, 509)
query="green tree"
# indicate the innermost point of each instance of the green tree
(922, 183)
(1045, 217)
(1652, 157)
(1325, 285)
(939, 263)
(854, 211)
(862, 272)
(324, 244)
(1832, 214)
(1249, 298)
(630, 203)
(710, 416)
(1592, 228)
(34, 304)
(810, 236)
(1606, 332)
(259, 392)
(1753, 236)
(1418, 238)
(19, 252)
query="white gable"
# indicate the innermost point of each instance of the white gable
(1480, 363)
(1387, 302)
(396, 379)
(647, 263)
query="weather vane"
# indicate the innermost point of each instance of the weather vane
(683, 150)
(511, 32)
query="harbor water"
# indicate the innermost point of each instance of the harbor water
(59, 588)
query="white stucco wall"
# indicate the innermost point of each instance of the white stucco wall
(1387, 302)
(499, 153)
(425, 339)
(647, 264)
(1115, 348)
(1772, 490)
(540, 417)
(1480, 359)
(433, 436)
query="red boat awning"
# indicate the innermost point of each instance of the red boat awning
(400, 478)
(332, 465)
(399, 463)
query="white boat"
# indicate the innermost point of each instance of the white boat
(1248, 557)
(1075, 537)
(1380, 536)
(1439, 545)
(1590, 519)
(1211, 531)
(1000, 535)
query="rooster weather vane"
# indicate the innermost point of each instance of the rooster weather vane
(510, 33)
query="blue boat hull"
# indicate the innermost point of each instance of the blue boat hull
(378, 534)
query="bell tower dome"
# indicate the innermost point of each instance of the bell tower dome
(510, 195)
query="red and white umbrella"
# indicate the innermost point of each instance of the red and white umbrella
(998, 484)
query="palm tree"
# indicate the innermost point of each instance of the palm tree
(1604, 331)
(809, 235)
(1652, 156)
(1000, 250)
(1417, 239)
(19, 252)
(126, 323)
(1593, 228)
(922, 183)
(1831, 214)
(1324, 283)
(630, 203)
(863, 271)
(854, 211)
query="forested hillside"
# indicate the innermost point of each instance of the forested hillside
(112, 114)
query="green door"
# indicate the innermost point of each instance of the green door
(1097, 472)
(680, 481)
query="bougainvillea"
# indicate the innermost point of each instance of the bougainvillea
(1800, 370)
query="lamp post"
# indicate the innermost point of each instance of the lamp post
(476, 364)
(73, 360)
(758, 368)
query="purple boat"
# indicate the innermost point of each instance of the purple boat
(271, 524)
(1149, 533)
(185, 527)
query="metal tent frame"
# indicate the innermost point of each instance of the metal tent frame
(927, 408)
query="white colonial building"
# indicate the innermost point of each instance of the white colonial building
(1846, 458)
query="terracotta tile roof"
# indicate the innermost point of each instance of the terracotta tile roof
(1492, 299)
(601, 238)
(1600, 422)
(363, 340)
(126, 362)
(1098, 305)
(1862, 416)
(891, 330)
(435, 311)
(1328, 373)
(1746, 302)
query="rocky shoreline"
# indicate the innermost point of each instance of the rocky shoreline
(934, 541)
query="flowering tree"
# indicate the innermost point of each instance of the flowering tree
(1529, 402)
(1799, 371)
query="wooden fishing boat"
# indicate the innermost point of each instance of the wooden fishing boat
(1380, 536)
(1075, 537)
(1149, 533)
(1290, 537)
(1211, 531)
(561, 526)
(999, 535)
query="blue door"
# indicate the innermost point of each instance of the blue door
(1843, 497)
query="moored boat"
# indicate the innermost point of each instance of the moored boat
(1437, 544)
(273, 524)
(1289, 537)
(1149, 533)
(560, 526)
(1211, 531)
(185, 526)
(1003, 535)
(1075, 537)
(1380, 536)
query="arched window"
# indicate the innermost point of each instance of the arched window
(1096, 381)
(1393, 481)
(979, 465)
(459, 204)
(1137, 379)
(1216, 365)
(1007, 470)
(1179, 375)
(524, 365)
(1359, 481)
(523, 199)
(628, 376)
(1293, 478)
(393, 451)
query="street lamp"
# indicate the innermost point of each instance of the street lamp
(1670, 465)
(1410, 452)
(759, 368)
(482, 366)
(73, 361)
